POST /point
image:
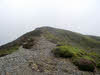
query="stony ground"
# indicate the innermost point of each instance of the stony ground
(38, 61)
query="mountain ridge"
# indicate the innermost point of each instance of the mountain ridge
(71, 36)
(33, 53)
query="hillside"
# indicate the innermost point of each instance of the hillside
(61, 36)
(71, 38)
(32, 53)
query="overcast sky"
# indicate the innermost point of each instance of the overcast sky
(20, 16)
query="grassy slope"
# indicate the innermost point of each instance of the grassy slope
(71, 38)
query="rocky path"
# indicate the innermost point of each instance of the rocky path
(37, 61)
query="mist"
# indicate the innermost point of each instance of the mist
(20, 16)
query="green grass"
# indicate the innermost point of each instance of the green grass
(8, 51)
(68, 50)
(63, 51)
(79, 57)
(88, 58)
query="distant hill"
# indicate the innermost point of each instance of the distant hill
(94, 37)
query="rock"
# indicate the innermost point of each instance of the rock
(85, 65)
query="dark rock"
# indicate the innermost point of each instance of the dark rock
(85, 65)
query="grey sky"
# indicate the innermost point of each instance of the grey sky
(20, 16)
